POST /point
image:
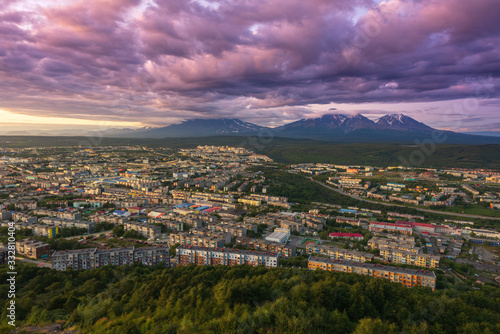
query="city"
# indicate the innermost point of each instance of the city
(159, 204)
(265, 166)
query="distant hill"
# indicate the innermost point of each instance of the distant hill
(393, 128)
(401, 122)
(338, 128)
(288, 151)
(194, 128)
(485, 133)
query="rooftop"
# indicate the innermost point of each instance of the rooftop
(375, 266)
(230, 250)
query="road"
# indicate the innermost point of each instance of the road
(83, 236)
(456, 276)
(40, 263)
(402, 206)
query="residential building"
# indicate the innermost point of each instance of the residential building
(147, 230)
(339, 253)
(46, 231)
(91, 258)
(196, 240)
(408, 277)
(405, 257)
(286, 251)
(5, 215)
(407, 245)
(350, 236)
(33, 249)
(227, 257)
(391, 227)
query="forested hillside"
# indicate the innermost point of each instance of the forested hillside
(291, 151)
(242, 299)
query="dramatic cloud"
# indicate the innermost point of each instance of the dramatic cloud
(266, 61)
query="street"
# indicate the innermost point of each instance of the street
(402, 206)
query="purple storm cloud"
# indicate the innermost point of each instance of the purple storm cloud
(266, 61)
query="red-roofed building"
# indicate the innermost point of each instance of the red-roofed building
(390, 227)
(423, 227)
(136, 210)
(404, 223)
(351, 236)
(210, 210)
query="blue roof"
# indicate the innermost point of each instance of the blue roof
(183, 205)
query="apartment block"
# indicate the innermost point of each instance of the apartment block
(196, 240)
(250, 201)
(5, 215)
(291, 225)
(286, 251)
(404, 257)
(408, 277)
(114, 256)
(147, 230)
(316, 224)
(31, 248)
(66, 223)
(407, 245)
(226, 228)
(226, 257)
(350, 221)
(211, 233)
(46, 231)
(23, 217)
(340, 253)
(397, 227)
(69, 215)
(95, 258)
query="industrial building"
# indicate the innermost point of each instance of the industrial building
(280, 235)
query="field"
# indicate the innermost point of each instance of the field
(309, 242)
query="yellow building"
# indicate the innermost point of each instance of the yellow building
(249, 201)
(408, 277)
(404, 257)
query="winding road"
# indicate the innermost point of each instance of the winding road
(402, 206)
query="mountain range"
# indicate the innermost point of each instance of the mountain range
(393, 128)
(341, 128)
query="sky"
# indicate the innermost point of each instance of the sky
(130, 63)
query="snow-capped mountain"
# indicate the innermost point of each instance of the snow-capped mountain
(345, 123)
(202, 128)
(402, 123)
(394, 128)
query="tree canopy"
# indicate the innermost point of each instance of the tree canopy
(243, 299)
